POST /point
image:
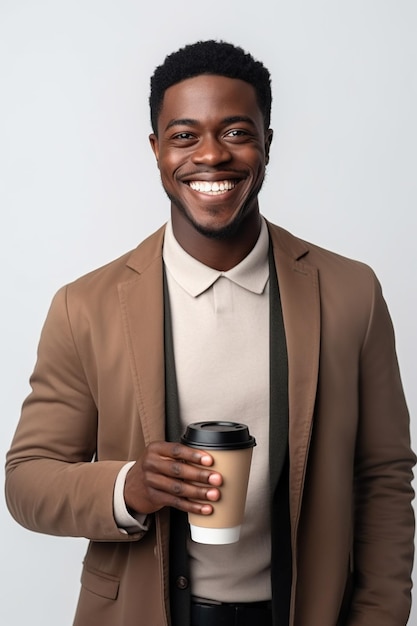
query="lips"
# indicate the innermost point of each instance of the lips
(211, 188)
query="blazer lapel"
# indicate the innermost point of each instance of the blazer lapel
(141, 301)
(299, 289)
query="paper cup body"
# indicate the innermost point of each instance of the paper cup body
(233, 463)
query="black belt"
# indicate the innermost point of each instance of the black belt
(242, 614)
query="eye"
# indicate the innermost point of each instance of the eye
(184, 136)
(237, 134)
(183, 139)
(236, 131)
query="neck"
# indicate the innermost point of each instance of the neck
(222, 252)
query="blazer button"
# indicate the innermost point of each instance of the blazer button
(182, 582)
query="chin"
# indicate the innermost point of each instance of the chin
(212, 227)
(217, 232)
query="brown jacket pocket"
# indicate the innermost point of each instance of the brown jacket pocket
(101, 584)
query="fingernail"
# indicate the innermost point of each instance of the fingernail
(215, 479)
(213, 494)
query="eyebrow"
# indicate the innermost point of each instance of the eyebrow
(186, 121)
(232, 119)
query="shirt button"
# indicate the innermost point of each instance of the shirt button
(182, 582)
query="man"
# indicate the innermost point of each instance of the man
(221, 315)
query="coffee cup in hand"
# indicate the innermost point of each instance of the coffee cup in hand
(231, 446)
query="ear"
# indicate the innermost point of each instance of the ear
(268, 140)
(153, 140)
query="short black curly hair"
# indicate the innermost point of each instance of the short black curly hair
(210, 57)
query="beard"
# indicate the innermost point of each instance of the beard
(225, 232)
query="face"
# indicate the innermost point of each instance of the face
(211, 151)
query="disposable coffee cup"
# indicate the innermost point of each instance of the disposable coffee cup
(231, 446)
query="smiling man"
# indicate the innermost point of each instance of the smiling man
(221, 315)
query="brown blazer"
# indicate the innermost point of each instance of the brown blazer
(98, 394)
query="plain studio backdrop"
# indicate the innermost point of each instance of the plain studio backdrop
(79, 185)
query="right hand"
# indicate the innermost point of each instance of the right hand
(166, 475)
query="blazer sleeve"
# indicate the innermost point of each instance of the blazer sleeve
(383, 517)
(54, 484)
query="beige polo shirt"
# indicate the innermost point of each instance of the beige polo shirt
(220, 325)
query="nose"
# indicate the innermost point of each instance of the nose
(211, 151)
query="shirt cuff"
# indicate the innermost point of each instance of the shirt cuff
(126, 522)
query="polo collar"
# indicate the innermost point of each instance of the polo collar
(194, 277)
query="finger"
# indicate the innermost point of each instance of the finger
(179, 468)
(162, 499)
(192, 473)
(181, 489)
(183, 453)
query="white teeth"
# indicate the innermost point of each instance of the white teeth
(214, 188)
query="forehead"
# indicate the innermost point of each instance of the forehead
(209, 97)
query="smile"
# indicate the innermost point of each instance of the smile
(214, 188)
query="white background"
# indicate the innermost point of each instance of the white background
(78, 183)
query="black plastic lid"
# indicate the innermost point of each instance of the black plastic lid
(220, 435)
